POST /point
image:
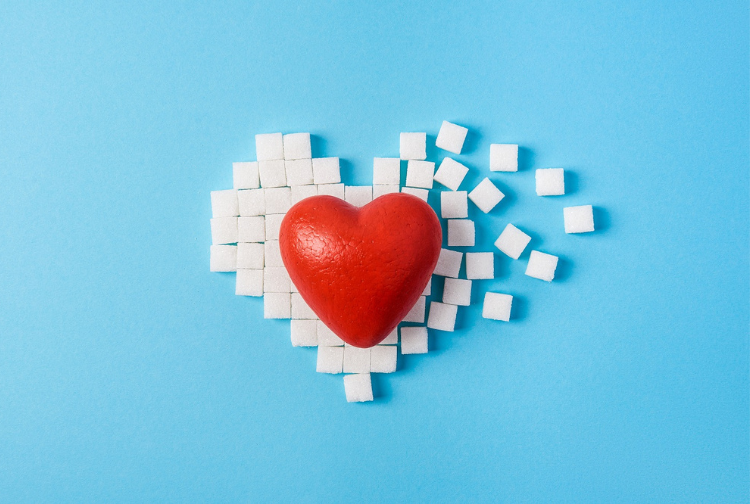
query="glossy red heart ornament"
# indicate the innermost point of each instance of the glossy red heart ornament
(361, 269)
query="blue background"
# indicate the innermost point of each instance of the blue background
(128, 372)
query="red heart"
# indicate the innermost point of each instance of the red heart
(361, 269)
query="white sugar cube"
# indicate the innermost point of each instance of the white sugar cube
(454, 205)
(273, 225)
(249, 282)
(278, 200)
(512, 241)
(541, 266)
(224, 230)
(451, 137)
(251, 229)
(383, 359)
(480, 265)
(391, 339)
(579, 219)
(497, 306)
(326, 170)
(386, 171)
(460, 233)
(250, 256)
(272, 173)
(335, 190)
(303, 191)
(297, 146)
(224, 203)
(442, 317)
(304, 332)
(300, 308)
(550, 182)
(451, 173)
(486, 195)
(277, 305)
(293, 287)
(413, 340)
(428, 288)
(245, 175)
(272, 254)
(358, 196)
(382, 189)
(276, 279)
(422, 194)
(356, 360)
(449, 263)
(252, 202)
(299, 172)
(223, 258)
(413, 146)
(416, 313)
(358, 387)
(457, 291)
(330, 359)
(326, 337)
(503, 157)
(420, 174)
(269, 146)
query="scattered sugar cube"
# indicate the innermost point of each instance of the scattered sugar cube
(356, 360)
(512, 241)
(428, 288)
(273, 225)
(330, 359)
(416, 314)
(457, 291)
(277, 305)
(269, 146)
(298, 172)
(335, 190)
(272, 173)
(303, 191)
(413, 146)
(504, 157)
(386, 171)
(442, 317)
(251, 229)
(252, 202)
(326, 170)
(541, 266)
(422, 194)
(304, 332)
(358, 196)
(449, 263)
(413, 340)
(579, 219)
(272, 254)
(460, 233)
(454, 205)
(297, 146)
(358, 387)
(224, 203)
(550, 182)
(391, 339)
(300, 308)
(383, 359)
(224, 230)
(278, 200)
(451, 137)
(276, 279)
(451, 173)
(223, 258)
(420, 174)
(326, 337)
(379, 190)
(480, 265)
(250, 256)
(486, 195)
(249, 282)
(245, 175)
(497, 306)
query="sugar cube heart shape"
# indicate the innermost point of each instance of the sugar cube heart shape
(361, 269)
